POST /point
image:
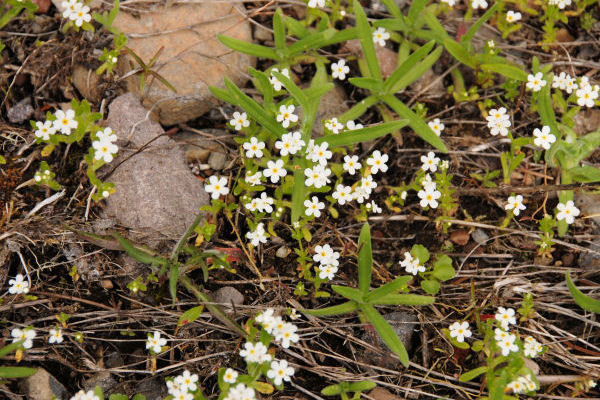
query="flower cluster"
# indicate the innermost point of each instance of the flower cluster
(183, 386)
(18, 285)
(27, 335)
(76, 11)
(531, 347)
(411, 264)
(498, 121)
(83, 395)
(522, 384)
(587, 94)
(104, 146)
(429, 194)
(258, 235)
(155, 343)
(328, 261)
(63, 123)
(560, 3)
(283, 332)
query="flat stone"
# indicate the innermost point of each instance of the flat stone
(21, 111)
(217, 160)
(228, 295)
(155, 190)
(87, 82)
(103, 379)
(192, 58)
(333, 104)
(480, 236)
(586, 121)
(589, 205)
(380, 393)
(43, 386)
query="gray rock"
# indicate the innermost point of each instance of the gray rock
(153, 388)
(590, 261)
(404, 324)
(480, 236)
(155, 189)
(43, 386)
(589, 204)
(217, 160)
(333, 104)
(103, 379)
(586, 121)
(228, 295)
(21, 111)
(192, 58)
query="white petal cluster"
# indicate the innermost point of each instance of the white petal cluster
(216, 186)
(76, 11)
(411, 264)
(18, 285)
(83, 395)
(104, 146)
(515, 204)
(531, 347)
(567, 211)
(27, 335)
(498, 121)
(460, 331)
(284, 332)
(258, 235)
(155, 342)
(535, 82)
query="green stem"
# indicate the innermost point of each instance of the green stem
(185, 236)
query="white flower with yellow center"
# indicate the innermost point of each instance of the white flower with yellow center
(65, 121)
(342, 194)
(430, 162)
(535, 82)
(216, 186)
(567, 211)
(280, 371)
(313, 207)
(275, 170)
(543, 137)
(380, 36)
(18, 285)
(515, 204)
(436, 126)
(44, 130)
(339, 70)
(286, 115)
(460, 331)
(378, 161)
(230, 375)
(239, 121)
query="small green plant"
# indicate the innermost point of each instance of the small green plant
(343, 389)
(583, 301)
(12, 372)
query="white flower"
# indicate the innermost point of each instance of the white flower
(105, 150)
(240, 392)
(560, 3)
(317, 176)
(286, 115)
(82, 395)
(44, 130)
(535, 82)
(460, 331)
(570, 84)
(429, 197)
(512, 16)
(543, 137)
(187, 381)
(180, 394)
(430, 162)
(80, 14)
(216, 186)
(65, 122)
(411, 264)
(515, 203)
(529, 383)
(491, 44)
(368, 184)
(403, 195)
(253, 205)
(318, 152)
(444, 165)
(506, 317)
(517, 386)
(275, 170)
(258, 235)
(500, 334)
(155, 342)
(275, 82)
(314, 207)
(428, 184)
(591, 383)
(374, 207)
(377, 161)
(267, 320)
(327, 271)
(255, 353)
(339, 70)
(69, 7)
(479, 4)
(342, 194)
(560, 81)
(508, 345)
(106, 135)
(380, 36)
(531, 347)
(567, 211)
(27, 335)
(286, 334)
(436, 126)
(498, 121)
(351, 125)
(239, 121)
(253, 180)
(254, 148)
(290, 143)
(449, 2)
(316, 3)
(18, 285)
(230, 375)
(586, 96)
(334, 126)
(325, 255)
(351, 164)
(265, 203)
(56, 335)
(280, 371)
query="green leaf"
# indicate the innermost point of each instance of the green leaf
(264, 85)
(331, 390)
(2, 159)
(16, 372)
(442, 268)
(467, 37)
(419, 251)
(438, 33)
(372, 84)
(138, 253)
(366, 41)
(313, 41)
(9, 348)
(472, 374)
(279, 30)
(98, 392)
(415, 10)
(415, 122)
(403, 299)
(583, 301)
(585, 174)
(298, 192)
(118, 396)
(391, 287)
(349, 293)
(358, 109)
(249, 48)
(416, 72)
(190, 315)
(386, 332)
(142, 397)
(459, 52)
(361, 386)
(344, 308)
(509, 71)
(365, 259)
(291, 87)
(407, 66)
(431, 286)
(361, 135)
(173, 279)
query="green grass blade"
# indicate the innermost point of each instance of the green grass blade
(415, 122)
(137, 253)
(459, 52)
(315, 40)
(361, 135)
(358, 109)
(437, 30)
(415, 10)
(467, 37)
(509, 71)
(403, 299)
(365, 259)
(291, 87)
(372, 84)
(415, 72)
(190, 315)
(264, 84)
(9, 348)
(392, 8)
(221, 94)
(16, 372)
(366, 40)
(388, 288)
(349, 293)
(298, 192)
(407, 65)
(386, 333)
(251, 49)
(279, 30)
(344, 308)
(472, 374)
(173, 279)
(583, 301)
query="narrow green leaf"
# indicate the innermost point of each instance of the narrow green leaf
(278, 30)
(415, 122)
(386, 332)
(438, 33)
(361, 386)
(190, 315)
(388, 288)
(9, 348)
(295, 28)
(417, 71)
(313, 41)
(331, 390)
(459, 52)
(585, 174)
(252, 49)
(365, 259)
(16, 372)
(138, 253)
(407, 65)
(358, 109)
(264, 84)
(366, 40)
(403, 299)
(98, 392)
(583, 301)
(372, 84)
(163, 81)
(361, 135)
(291, 87)
(344, 308)
(173, 279)
(509, 71)
(472, 374)
(467, 37)
(349, 293)
(415, 10)
(392, 8)
(298, 192)
(222, 94)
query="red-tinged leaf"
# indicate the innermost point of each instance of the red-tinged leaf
(485, 317)
(234, 254)
(462, 29)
